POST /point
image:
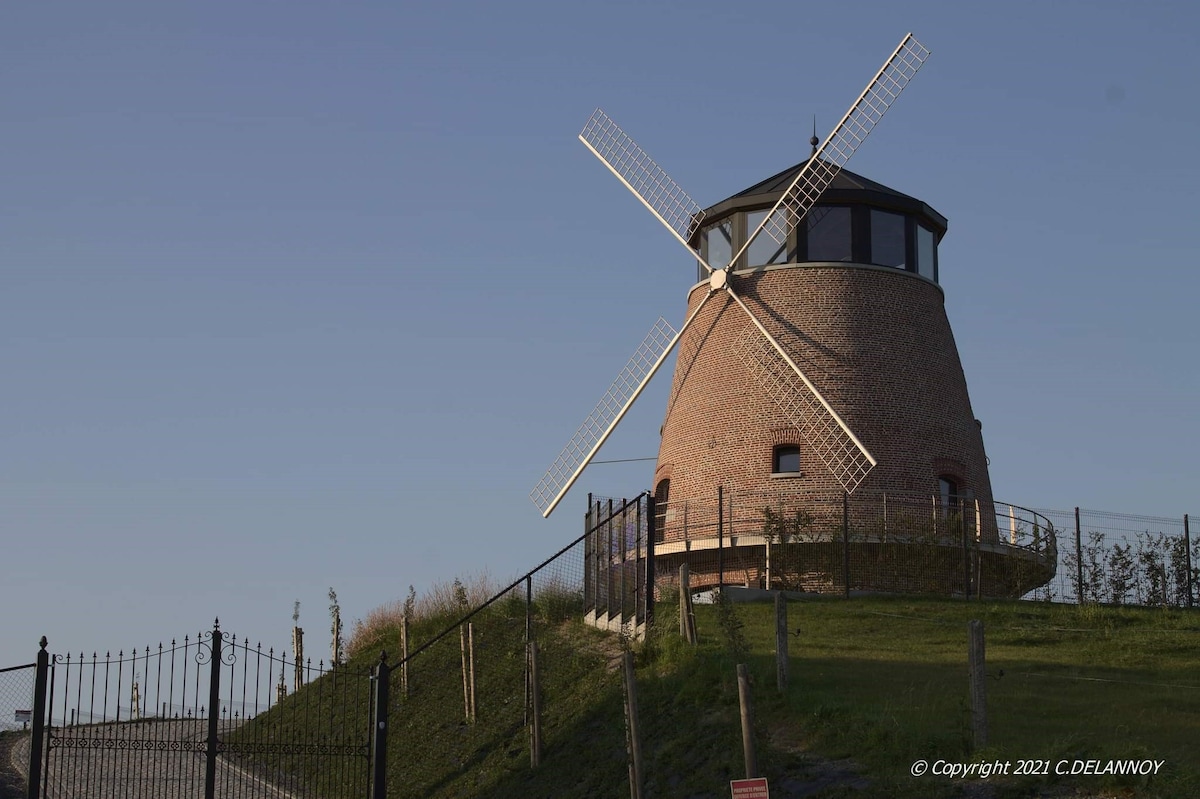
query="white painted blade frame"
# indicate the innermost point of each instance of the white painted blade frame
(653, 187)
(822, 428)
(607, 414)
(847, 135)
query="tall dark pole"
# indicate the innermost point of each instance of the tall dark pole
(966, 550)
(529, 635)
(214, 702)
(379, 733)
(1078, 558)
(846, 542)
(38, 739)
(651, 537)
(1187, 550)
(720, 537)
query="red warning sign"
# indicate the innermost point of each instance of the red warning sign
(749, 789)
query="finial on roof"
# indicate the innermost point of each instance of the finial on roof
(814, 141)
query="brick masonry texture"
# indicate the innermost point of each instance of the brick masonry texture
(877, 344)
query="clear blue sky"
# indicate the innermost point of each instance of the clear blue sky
(297, 295)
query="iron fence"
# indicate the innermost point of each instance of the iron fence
(836, 543)
(203, 716)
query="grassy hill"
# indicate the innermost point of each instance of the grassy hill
(876, 684)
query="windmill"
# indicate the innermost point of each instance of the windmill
(775, 371)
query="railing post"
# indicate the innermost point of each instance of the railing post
(609, 582)
(38, 735)
(214, 714)
(624, 543)
(1187, 550)
(966, 550)
(720, 537)
(1078, 558)
(651, 533)
(846, 542)
(382, 686)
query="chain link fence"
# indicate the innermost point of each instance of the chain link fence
(16, 697)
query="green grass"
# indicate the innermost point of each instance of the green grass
(876, 682)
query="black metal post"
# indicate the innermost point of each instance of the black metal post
(846, 542)
(609, 582)
(651, 532)
(382, 686)
(38, 738)
(720, 537)
(966, 550)
(1078, 558)
(589, 548)
(597, 538)
(1187, 549)
(624, 542)
(529, 635)
(587, 563)
(214, 702)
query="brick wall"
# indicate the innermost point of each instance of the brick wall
(875, 341)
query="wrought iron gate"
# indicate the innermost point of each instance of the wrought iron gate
(208, 716)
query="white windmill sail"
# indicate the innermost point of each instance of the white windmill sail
(835, 443)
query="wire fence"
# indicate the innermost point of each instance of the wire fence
(501, 683)
(16, 697)
(1123, 559)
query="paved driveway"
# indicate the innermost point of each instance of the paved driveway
(156, 759)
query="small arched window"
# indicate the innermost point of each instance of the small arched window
(785, 459)
(662, 495)
(949, 493)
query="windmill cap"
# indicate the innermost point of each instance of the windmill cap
(847, 188)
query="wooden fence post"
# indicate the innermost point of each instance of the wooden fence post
(781, 642)
(632, 734)
(747, 707)
(466, 672)
(977, 669)
(535, 713)
(687, 612)
(471, 664)
(404, 656)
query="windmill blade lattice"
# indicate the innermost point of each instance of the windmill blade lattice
(800, 402)
(600, 422)
(847, 135)
(665, 198)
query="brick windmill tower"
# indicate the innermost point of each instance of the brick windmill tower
(815, 359)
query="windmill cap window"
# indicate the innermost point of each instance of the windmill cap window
(857, 221)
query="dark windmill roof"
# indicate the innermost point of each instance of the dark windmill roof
(847, 187)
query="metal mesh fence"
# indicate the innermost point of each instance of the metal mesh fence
(469, 691)
(16, 697)
(1122, 558)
